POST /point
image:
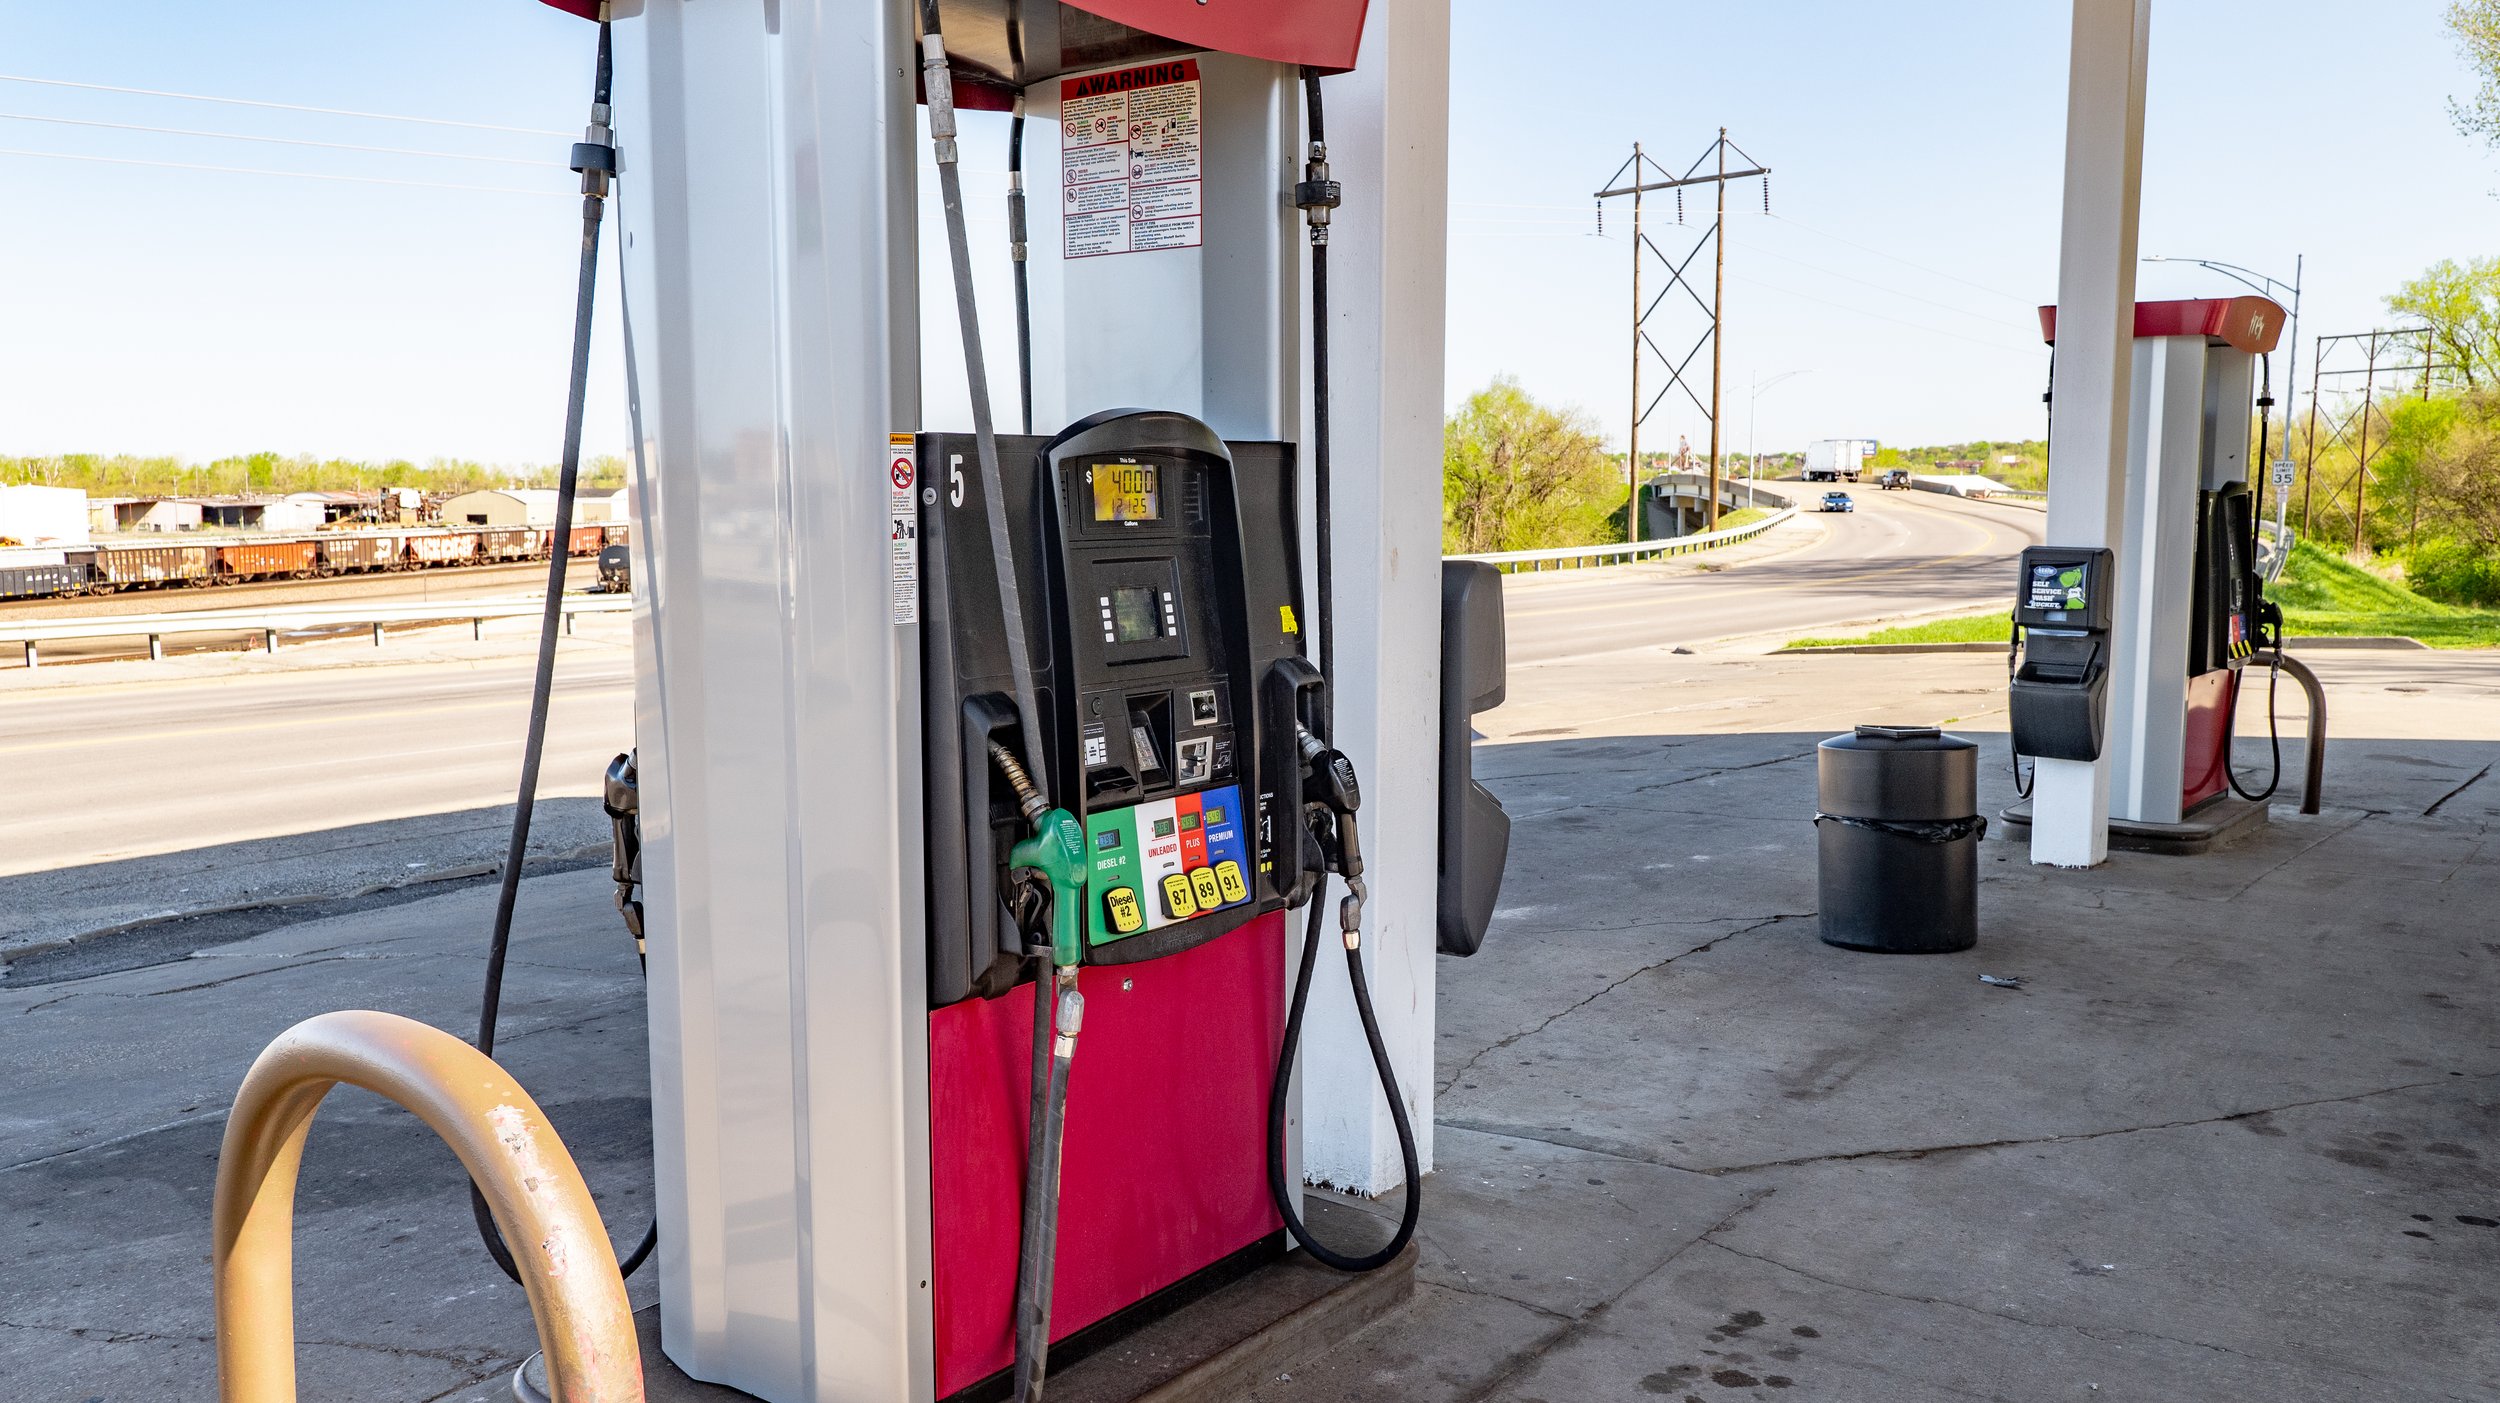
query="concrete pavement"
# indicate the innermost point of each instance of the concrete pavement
(2234, 1138)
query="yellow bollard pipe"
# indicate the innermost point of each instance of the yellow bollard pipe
(585, 1323)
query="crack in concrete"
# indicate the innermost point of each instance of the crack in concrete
(1921, 1152)
(1713, 943)
(118, 1335)
(1573, 1329)
(2102, 1334)
(2441, 801)
(1725, 770)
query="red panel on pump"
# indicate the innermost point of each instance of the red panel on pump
(1165, 1163)
(2207, 750)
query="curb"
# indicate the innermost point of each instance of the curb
(1894, 648)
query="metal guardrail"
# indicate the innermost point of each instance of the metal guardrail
(2274, 549)
(1565, 557)
(269, 623)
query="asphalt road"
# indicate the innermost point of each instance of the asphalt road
(209, 781)
(1898, 553)
(213, 786)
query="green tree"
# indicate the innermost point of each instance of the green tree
(2461, 305)
(2476, 24)
(1518, 475)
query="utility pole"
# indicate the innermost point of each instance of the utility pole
(1718, 343)
(1632, 446)
(1640, 167)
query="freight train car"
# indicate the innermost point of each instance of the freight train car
(146, 567)
(238, 561)
(587, 540)
(42, 581)
(433, 548)
(359, 554)
(511, 543)
(617, 534)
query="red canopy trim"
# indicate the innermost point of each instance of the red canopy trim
(1322, 34)
(2251, 324)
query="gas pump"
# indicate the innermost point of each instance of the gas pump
(1112, 765)
(2137, 652)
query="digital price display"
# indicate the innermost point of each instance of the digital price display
(1127, 492)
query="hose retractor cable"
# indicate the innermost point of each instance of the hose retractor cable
(594, 156)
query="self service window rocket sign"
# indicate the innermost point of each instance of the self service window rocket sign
(1130, 172)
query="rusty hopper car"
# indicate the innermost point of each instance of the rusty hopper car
(617, 534)
(266, 560)
(144, 567)
(442, 548)
(586, 541)
(357, 554)
(510, 542)
(43, 581)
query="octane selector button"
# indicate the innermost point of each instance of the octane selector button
(1120, 909)
(1179, 902)
(1228, 880)
(1202, 885)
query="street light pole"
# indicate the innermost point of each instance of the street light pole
(1753, 403)
(2291, 363)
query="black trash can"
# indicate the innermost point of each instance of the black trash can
(1897, 840)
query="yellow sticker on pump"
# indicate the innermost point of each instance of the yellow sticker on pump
(1228, 880)
(1179, 902)
(1120, 908)
(1202, 885)
(1284, 614)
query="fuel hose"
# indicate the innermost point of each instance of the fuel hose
(595, 158)
(1318, 196)
(1057, 1004)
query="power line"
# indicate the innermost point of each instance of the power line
(1992, 318)
(279, 106)
(1898, 321)
(278, 140)
(1879, 253)
(297, 175)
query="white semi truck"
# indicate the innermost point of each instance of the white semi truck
(1837, 459)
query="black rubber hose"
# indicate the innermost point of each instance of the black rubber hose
(542, 684)
(1024, 282)
(1322, 504)
(1283, 1193)
(2274, 736)
(1046, 1132)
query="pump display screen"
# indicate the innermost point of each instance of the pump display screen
(1133, 617)
(1127, 492)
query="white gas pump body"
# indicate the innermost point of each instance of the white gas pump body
(769, 208)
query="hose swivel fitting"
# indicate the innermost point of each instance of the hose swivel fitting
(1316, 195)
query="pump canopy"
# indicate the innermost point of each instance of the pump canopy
(1016, 44)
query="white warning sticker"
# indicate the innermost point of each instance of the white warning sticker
(903, 543)
(1130, 168)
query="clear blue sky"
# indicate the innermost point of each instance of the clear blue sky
(1913, 214)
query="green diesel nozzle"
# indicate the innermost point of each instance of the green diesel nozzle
(1057, 851)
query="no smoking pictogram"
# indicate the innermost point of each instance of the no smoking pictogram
(902, 474)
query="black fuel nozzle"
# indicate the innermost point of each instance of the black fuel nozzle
(621, 796)
(1332, 793)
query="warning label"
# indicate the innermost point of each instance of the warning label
(903, 542)
(1130, 170)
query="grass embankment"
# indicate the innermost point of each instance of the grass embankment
(1742, 516)
(2322, 594)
